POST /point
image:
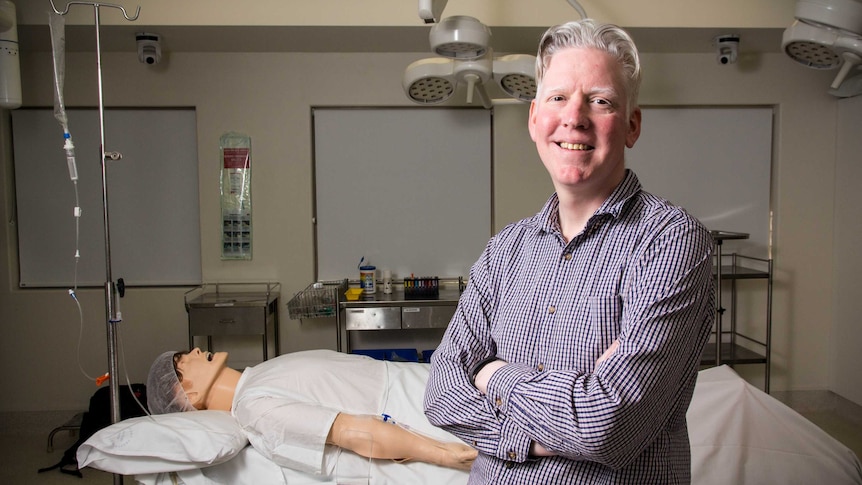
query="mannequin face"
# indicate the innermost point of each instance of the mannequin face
(199, 371)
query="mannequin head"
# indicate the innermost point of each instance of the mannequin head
(197, 372)
(185, 381)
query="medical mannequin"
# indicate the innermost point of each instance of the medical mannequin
(210, 384)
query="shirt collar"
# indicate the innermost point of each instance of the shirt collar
(548, 217)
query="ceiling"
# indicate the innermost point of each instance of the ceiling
(121, 38)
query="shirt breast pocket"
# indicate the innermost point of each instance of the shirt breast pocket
(605, 313)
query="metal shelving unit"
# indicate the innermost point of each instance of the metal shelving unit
(730, 346)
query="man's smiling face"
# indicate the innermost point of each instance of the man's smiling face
(579, 120)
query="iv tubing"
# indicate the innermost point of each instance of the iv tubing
(57, 24)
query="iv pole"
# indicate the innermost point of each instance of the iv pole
(110, 297)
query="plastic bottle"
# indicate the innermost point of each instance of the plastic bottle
(367, 275)
(387, 282)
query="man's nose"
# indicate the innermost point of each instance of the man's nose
(576, 115)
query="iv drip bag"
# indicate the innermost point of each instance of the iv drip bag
(58, 48)
(10, 68)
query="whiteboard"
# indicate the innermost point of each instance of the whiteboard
(408, 189)
(716, 163)
(152, 198)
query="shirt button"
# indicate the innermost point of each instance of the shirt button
(498, 402)
(509, 464)
(568, 256)
(512, 455)
(540, 367)
(552, 309)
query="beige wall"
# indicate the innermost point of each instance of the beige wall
(269, 96)
(847, 332)
(630, 13)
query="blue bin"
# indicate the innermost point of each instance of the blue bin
(373, 353)
(393, 355)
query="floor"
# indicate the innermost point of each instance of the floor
(837, 416)
(23, 446)
(24, 440)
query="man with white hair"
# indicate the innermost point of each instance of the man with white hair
(604, 269)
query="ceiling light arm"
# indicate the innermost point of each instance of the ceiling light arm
(851, 61)
(472, 80)
(431, 11)
(475, 85)
(851, 86)
(577, 6)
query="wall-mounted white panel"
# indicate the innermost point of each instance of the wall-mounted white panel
(152, 198)
(407, 188)
(714, 161)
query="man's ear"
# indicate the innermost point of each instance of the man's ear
(634, 128)
(531, 120)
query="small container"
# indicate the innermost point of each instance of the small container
(387, 282)
(367, 275)
(352, 294)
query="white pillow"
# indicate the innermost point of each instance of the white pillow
(164, 443)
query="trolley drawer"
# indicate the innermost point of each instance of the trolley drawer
(374, 318)
(437, 316)
(227, 321)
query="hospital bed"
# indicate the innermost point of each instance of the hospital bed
(738, 434)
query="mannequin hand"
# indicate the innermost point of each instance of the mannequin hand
(485, 374)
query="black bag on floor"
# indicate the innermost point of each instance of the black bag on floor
(98, 417)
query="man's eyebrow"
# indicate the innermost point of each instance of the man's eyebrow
(604, 90)
(608, 91)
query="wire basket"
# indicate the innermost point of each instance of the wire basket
(316, 302)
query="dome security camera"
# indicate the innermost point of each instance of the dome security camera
(727, 47)
(149, 48)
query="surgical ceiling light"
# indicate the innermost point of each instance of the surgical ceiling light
(515, 74)
(464, 46)
(460, 37)
(827, 34)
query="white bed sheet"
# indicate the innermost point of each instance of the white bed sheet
(739, 435)
(252, 468)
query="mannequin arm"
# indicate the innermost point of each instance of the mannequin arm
(371, 437)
